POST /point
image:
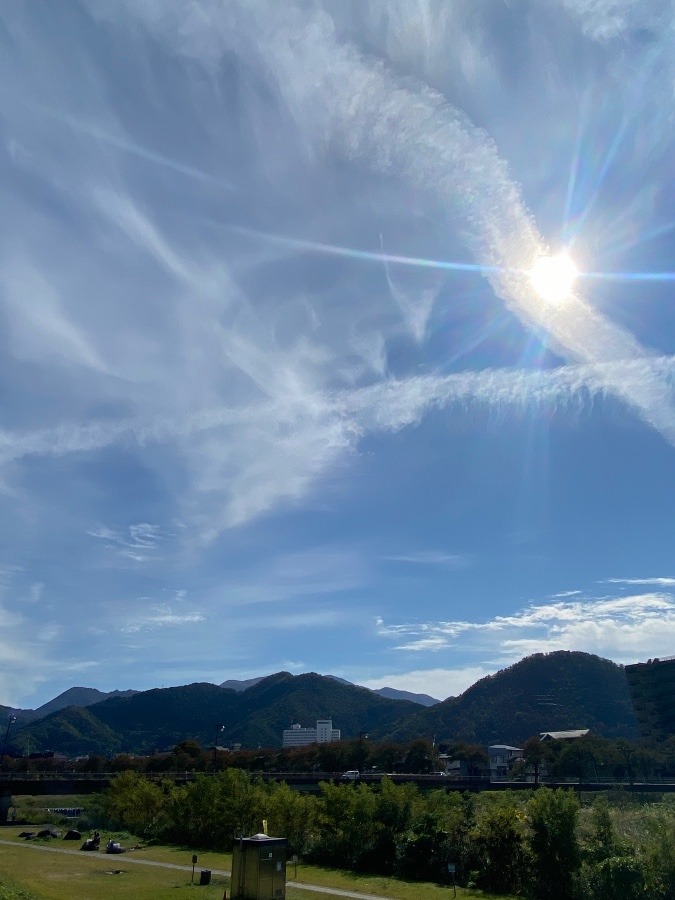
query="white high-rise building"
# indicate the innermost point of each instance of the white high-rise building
(297, 736)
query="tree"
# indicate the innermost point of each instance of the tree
(420, 757)
(393, 816)
(603, 841)
(499, 843)
(473, 755)
(439, 834)
(536, 754)
(660, 857)
(617, 877)
(346, 824)
(291, 815)
(137, 804)
(556, 857)
(426, 851)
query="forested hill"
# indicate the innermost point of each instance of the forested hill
(544, 692)
(162, 717)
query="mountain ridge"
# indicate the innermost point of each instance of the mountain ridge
(390, 693)
(554, 691)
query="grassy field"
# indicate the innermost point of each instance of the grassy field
(31, 874)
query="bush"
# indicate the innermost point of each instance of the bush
(614, 878)
(556, 856)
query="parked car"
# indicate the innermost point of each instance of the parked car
(351, 775)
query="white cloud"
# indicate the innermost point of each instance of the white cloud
(604, 20)
(440, 683)
(280, 447)
(287, 422)
(655, 582)
(35, 592)
(138, 318)
(40, 325)
(159, 616)
(430, 558)
(310, 618)
(140, 542)
(621, 628)
(294, 578)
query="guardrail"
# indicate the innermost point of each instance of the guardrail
(365, 778)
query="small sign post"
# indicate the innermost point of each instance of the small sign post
(194, 863)
(294, 860)
(452, 868)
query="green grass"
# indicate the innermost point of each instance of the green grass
(373, 884)
(12, 892)
(57, 876)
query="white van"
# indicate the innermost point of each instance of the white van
(351, 775)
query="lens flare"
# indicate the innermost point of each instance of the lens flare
(553, 277)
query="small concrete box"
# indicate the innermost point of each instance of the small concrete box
(259, 868)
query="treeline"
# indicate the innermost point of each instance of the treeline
(415, 757)
(542, 845)
(596, 759)
(587, 759)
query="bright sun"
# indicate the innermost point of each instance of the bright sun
(553, 277)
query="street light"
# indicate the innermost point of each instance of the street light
(10, 722)
(219, 728)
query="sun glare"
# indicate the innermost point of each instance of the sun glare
(553, 277)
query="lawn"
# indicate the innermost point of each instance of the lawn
(31, 874)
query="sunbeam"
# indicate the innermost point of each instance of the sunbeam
(628, 276)
(366, 255)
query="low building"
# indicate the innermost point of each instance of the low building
(455, 768)
(563, 735)
(324, 733)
(502, 759)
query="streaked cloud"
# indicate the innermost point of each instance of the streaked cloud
(159, 616)
(604, 20)
(617, 627)
(430, 558)
(265, 268)
(656, 582)
(139, 542)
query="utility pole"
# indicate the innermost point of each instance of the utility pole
(10, 722)
(219, 728)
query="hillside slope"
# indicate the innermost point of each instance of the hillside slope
(77, 696)
(162, 717)
(543, 692)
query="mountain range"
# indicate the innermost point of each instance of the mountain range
(389, 693)
(543, 692)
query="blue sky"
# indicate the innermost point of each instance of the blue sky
(277, 388)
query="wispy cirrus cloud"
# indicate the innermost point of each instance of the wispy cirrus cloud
(178, 350)
(157, 617)
(297, 440)
(605, 20)
(617, 627)
(431, 558)
(139, 542)
(372, 118)
(655, 582)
